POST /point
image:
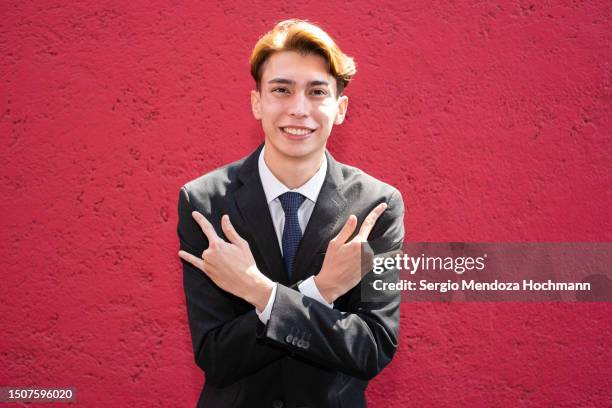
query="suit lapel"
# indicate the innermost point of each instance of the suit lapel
(326, 218)
(251, 201)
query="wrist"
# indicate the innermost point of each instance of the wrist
(259, 294)
(326, 290)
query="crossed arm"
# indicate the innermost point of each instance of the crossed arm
(359, 340)
(231, 266)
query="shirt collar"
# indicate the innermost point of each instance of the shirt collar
(273, 187)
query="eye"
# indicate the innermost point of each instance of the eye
(280, 90)
(319, 92)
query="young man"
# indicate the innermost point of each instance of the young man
(271, 245)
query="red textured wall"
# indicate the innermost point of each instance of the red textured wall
(493, 119)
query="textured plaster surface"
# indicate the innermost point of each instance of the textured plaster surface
(492, 118)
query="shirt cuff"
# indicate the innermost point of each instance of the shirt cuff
(264, 316)
(309, 288)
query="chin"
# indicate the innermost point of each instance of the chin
(297, 151)
(289, 148)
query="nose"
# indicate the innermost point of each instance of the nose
(298, 105)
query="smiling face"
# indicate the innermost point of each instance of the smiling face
(297, 105)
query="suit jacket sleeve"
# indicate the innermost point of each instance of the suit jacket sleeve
(224, 342)
(357, 338)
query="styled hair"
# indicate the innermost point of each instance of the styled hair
(305, 38)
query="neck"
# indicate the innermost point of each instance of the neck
(293, 172)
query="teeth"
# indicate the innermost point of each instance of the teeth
(297, 132)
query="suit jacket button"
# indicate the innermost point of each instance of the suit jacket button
(294, 341)
(306, 344)
(300, 343)
(277, 404)
(289, 338)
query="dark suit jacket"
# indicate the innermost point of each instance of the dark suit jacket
(307, 355)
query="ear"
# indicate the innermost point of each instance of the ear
(256, 104)
(342, 107)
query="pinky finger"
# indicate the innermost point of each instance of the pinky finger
(194, 260)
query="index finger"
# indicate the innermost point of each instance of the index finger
(207, 227)
(370, 221)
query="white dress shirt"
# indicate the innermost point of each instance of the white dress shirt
(273, 188)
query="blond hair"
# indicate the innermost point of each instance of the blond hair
(305, 38)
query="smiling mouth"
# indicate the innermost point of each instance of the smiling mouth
(297, 132)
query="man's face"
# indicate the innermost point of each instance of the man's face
(297, 104)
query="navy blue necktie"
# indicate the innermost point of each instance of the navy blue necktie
(292, 234)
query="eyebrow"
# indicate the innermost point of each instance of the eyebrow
(290, 82)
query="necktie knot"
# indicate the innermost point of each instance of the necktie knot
(291, 201)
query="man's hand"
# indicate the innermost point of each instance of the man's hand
(230, 265)
(341, 269)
